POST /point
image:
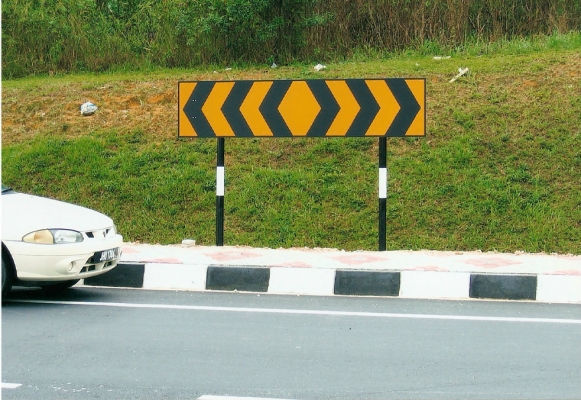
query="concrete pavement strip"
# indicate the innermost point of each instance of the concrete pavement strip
(549, 278)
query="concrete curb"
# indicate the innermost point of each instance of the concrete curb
(327, 282)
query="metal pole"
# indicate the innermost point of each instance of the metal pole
(220, 193)
(382, 192)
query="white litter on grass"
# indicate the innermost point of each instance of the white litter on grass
(319, 67)
(461, 71)
(273, 65)
(442, 57)
(88, 108)
(188, 242)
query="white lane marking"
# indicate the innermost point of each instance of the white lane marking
(305, 312)
(209, 397)
(10, 385)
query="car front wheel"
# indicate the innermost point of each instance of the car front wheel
(6, 278)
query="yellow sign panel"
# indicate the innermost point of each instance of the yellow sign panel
(303, 108)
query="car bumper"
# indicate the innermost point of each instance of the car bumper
(61, 262)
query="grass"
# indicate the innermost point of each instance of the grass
(500, 168)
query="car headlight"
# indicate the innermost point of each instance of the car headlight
(111, 231)
(53, 236)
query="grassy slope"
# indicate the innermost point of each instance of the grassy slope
(500, 168)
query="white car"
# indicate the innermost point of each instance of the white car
(53, 244)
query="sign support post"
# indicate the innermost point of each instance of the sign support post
(220, 192)
(382, 192)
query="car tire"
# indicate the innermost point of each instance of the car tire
(60, 285)
(6, 278)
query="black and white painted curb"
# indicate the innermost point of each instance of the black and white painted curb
(326, 282)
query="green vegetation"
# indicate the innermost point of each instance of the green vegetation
(500, 168)
(56, 36)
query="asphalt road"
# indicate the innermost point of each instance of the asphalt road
(95, 343)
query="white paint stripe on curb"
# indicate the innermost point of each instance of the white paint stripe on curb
(301, 281)
(559, 289)
(172, 276)
(434, 285)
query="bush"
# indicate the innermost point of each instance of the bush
(40, 36)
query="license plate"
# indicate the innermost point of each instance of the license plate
(105, 255)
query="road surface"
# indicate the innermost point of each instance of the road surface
(96, 343)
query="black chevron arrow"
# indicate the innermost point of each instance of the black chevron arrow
(231, 109)
(409, 107)
(269, 108)
(329, 108)
(193, 109)
(368, 110)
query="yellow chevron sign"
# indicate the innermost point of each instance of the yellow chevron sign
(303, 108)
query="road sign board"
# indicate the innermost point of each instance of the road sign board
(303, 108)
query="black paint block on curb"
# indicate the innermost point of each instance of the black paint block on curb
(367, 283)
(507, 287)
(123, 275)
(247, 279)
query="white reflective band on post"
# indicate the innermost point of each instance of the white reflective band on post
(219, 181)
(383, 183)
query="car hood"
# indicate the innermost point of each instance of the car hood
(24, 213)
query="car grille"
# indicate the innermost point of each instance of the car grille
(90, 265)
(99, 234)
(93, 263)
